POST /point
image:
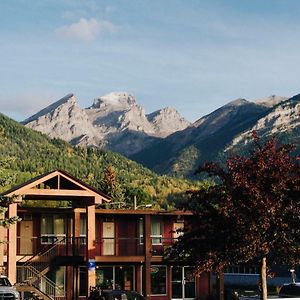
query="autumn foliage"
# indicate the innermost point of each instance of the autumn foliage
(250, 215)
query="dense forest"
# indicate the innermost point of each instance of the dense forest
(26, 153)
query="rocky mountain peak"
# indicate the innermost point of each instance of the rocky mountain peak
(69, 100)
(115, 101)
(162, 112)
(238, 102)
(166, 121)
(64, 119)
(270, 101)
(114, 121)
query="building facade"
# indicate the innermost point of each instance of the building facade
(67, 242)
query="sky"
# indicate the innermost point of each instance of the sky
(193, 55)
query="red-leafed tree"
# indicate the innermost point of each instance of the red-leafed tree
(250, 215)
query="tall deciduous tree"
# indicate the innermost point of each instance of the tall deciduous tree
(251, 214)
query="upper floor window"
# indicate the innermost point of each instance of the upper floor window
(82, 229)
(53, 228)
(156, 231)
(141, 230)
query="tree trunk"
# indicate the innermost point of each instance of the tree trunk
(263, 279)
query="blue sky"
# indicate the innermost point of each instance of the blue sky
(194, 55)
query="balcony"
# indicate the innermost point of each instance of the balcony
(131, 246)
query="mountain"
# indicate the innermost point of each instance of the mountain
(282, 122)
(26, 153)
(163, 141)
(167, 121)
(114, 121)
(224, 132)
(65, 119)
(271, 101)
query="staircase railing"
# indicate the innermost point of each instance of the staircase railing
(31, 277)
(41, 260)
(33, 271)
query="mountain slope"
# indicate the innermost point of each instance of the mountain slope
(282, 122)
(225, 132)
(31, 153)
(115, 121)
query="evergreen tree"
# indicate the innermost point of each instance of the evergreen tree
(111, 186)
(6, 179)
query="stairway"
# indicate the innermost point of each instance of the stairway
(31, 276)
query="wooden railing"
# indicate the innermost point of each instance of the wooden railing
(33, 271)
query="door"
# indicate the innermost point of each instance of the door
(108, 238)
(183, 283)
(26, 233)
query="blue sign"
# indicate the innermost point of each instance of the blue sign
(91, 265)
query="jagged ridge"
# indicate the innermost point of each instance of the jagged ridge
(114, 121)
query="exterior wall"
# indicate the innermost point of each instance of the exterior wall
(129, 251)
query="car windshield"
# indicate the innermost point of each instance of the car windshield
(4, 282)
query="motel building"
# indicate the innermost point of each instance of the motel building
(61, 252)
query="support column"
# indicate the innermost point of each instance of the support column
(12, 246)
(2, 238)
(90, 246)
(147, 264)
(69, 282)
(76, 232)
(220, 286)
(75, 250)
(138, 276)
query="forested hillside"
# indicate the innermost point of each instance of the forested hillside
(28, 153)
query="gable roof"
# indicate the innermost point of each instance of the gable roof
(58, 183)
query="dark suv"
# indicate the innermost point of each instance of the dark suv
(290, 290)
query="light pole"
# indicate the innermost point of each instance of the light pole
(135, 206)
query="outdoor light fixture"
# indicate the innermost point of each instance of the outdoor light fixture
(293, 275)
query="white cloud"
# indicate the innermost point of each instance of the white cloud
(86, 29)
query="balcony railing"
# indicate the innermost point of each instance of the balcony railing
(121, 246)
(160, 245)
(34, 245)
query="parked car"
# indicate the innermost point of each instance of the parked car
(115, 295)
(290, 290)
(7, 291)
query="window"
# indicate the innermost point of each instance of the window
(58, 277)
(82, 229)
(82, 281)
(141, 231)
(52, 228)
(156, 231)
(242, 269)
(115, 277)
(159, 280)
